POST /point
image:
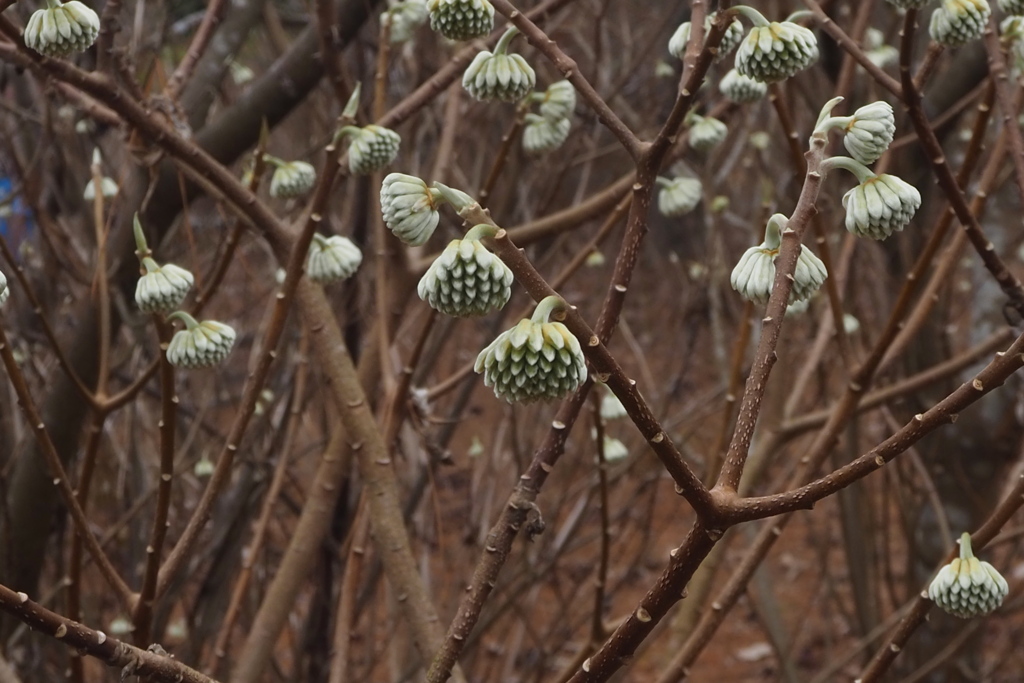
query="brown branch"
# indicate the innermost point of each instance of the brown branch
(1007, 98)
(60, 477)
(215, 10)
(143, 616)
(1010, 285)
(944, 412)
(764, 358)
(131, 660)
(571, 71)
(853, 49)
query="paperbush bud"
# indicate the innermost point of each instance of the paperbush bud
(968, 587)
(534, 360)
(62, 28)
(332, 258)
(466, 279)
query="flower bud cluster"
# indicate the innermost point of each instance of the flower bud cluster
(62, 29)
(968, 587)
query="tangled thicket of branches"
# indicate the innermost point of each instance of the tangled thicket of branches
(300, 477)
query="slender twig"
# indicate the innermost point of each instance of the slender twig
(252, 551)
(764, 358)
(1008, 101)
(101, 285)
(571, 71)
(215, 10)
(852, 49)
(159, 668)
(60, 477)
(1010, 285)
(143, 616)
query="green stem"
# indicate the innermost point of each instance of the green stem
(662, 181)
(457, 198)
(755, 17)
(190, 322)
(858, 169)
(797, 16)
(546, 307)
(141, 248)
(150, 265)
(274, 161)
(824, 114)
(505, 40)
(773, 231)
(478, 232)
(966, 552)
(346, 130)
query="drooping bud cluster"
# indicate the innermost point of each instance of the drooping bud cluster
(499, 75)
(405, 18)
(679, 196)
(1014, 7)
(870, 132)
(706, 132)
(409, 208)
(775, 51)
(968, 587)
(5, 291)
(107, 187)
(877, 51)
(541, 134)
(461, 19)
(534, 360)
(199, 345)
(733, 36)
(162, 288)
(291, 178)
(373, 148)
(62, 28)
(741, 89)
(558, 101)
(332, 258)
(754, 275)
(879, 206)
(957, 22)
(466, 279)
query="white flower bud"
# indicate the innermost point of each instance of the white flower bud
(505, 77)
(957, 22)
(741, 89)
(968, 587)
(332, 258)
(405, 18)
(775, 52)
(733, 36)
(203, 468)
(62, 29)
(200, 345)
(611, 406)
(558, 101)
(5, 291)
(869, 132)
(534, 360)
(240, 73)
(880, 206)
(466, 279)
(372, 148)
(107, 186)
(612, 448)
(542, 134)
(162, 288)
(461, 19)
(409, 208)
(754, 275)
(706, 133)
(292, 179)
(1015, 7)
(679, 196)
